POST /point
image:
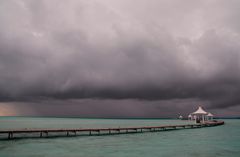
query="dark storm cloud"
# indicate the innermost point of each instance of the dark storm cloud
(120, 50)
(104, 108)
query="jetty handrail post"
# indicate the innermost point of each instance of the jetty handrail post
(10, 135)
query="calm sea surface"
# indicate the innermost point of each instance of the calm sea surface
(204, 142)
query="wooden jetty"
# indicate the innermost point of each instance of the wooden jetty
(24, 133)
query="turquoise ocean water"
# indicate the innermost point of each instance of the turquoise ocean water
(220, 141)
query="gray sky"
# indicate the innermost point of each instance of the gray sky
(119, 58)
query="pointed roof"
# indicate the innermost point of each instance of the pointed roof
(200, 111)
(190, 115)
(210, 115)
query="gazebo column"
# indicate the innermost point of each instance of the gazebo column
(203, 117)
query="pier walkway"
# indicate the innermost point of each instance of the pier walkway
(32, 133)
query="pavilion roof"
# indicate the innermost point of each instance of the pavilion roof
(209, 114)
(200, 111)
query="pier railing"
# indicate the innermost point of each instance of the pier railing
(24, 133)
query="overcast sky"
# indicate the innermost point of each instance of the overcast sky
(119, 58)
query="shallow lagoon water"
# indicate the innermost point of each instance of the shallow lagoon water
(204, 142)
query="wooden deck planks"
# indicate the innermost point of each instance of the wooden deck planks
(103, 131)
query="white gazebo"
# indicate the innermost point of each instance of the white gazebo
(190, 117)
(180, 117)
(210, 116)
(200, 115)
